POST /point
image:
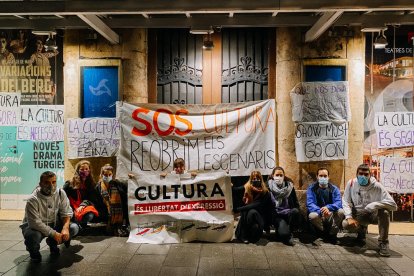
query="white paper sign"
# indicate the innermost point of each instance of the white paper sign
(397, 174)
(238, 137)
(175, 210)
(321, 141)
(321, 101)
(9, 109)
(93, 137)
(394, 129)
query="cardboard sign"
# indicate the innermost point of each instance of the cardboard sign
(394, 129)
(397, 174)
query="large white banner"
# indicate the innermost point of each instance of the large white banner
(321, 141)
(179, 209)
(394, 129)
(238, 137)
(93, 137)
(321, 101)
(397, 174)
(9, 109)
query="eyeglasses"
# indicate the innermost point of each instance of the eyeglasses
(363, 173)
(279, 174)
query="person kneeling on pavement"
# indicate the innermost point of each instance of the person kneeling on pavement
(323, 200)
(287, 215)
(367, 202)
(47, 214)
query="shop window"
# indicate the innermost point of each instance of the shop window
(324, 73)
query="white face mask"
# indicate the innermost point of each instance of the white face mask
(106, 179)
(278, 180)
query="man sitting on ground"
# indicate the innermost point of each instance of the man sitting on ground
(323, 200)
(366, 202)
(47, 214)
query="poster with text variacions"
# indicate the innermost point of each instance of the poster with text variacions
(28, 68)
(180, 208)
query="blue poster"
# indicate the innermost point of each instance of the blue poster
(99, 91)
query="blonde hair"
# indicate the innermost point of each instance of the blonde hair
(106, 167)
(76, 180)
(248, 186)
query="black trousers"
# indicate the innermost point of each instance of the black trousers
(250, 226)
(284, 224)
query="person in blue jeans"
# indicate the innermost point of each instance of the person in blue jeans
(324, 204)
(47, 214)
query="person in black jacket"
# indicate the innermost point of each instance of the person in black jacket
(287, 216)
(113, 206)
(82, 194)
(256, 214)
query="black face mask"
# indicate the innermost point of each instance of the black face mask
(257, 183)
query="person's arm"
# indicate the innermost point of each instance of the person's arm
(65, 230)
(294, 198)
(386, 201)
(346, 200)
(336, 201)
(34, 221)
(311, 202)
(249, 206)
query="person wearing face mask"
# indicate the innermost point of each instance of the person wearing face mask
(287, 216)
(256, 214)
(366, 202)
(47, 214)
(113, 202)
(82, 194)
(324, 204)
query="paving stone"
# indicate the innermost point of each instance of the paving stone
(153, 249)
(250, 258)
(103, 269)
(252, 272)
(215, 272)
(145, 265)
(216, 262)
(178, 271)
(183, 255)
(9, 259)
(214, 249)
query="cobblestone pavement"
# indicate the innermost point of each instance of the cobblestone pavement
(103, 255)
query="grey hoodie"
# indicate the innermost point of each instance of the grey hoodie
(42, 211)
(370, 197)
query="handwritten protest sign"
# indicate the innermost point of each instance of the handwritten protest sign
(93, 137)
(180, 209)
(37, 114)
(320, 101)
(9, 109)
(237, 137)
(321, 141)
(397, 174)
(394, 129)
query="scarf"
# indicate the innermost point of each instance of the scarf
(280, 193)
(112, 200)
